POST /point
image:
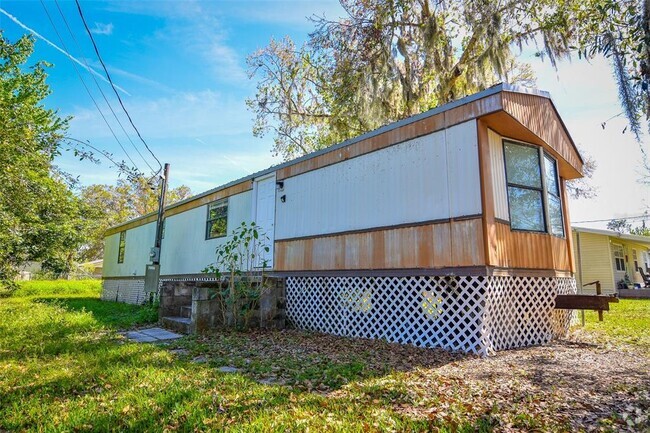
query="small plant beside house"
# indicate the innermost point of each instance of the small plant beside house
(239, 269)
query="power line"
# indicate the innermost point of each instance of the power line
(83, 19)
(646, 216)
(86, 87)
(98, 86)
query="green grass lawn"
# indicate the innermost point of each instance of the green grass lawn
(64, 367)
(627, 322)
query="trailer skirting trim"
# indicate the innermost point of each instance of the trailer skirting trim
(474, 314)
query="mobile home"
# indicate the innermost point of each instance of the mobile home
(448, 229)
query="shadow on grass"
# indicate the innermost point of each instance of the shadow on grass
(141, 387)
(114, 315)
(71, 374)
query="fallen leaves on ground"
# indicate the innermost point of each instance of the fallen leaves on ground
(569, 385)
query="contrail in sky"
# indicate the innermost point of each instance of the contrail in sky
(65, 53)
(232, 161)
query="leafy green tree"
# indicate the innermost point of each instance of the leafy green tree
(387, 60)
(115, 204)
(640, 231)
(41, 219)
(619, 225)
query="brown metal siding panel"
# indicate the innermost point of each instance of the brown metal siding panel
(418, 247)
(524, 250)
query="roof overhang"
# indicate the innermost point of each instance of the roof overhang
(613, 234)
(531, 116)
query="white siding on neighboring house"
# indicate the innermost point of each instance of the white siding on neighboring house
(594, 261)
(185, 249)
(139, 241)
(432, 177)
(497, 165)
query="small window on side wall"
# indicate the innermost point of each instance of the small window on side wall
(533, 189)
(555, 218)
(217, 223)
(121, 247)
(525, 188)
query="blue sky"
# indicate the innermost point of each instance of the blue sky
(182, 67)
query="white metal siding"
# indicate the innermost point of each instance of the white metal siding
(185, 249)
(405, 183)
(594, 261)
(139, 241)
(463, 170)
(497, 165)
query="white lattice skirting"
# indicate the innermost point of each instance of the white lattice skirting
(131, 291)
(472, 314)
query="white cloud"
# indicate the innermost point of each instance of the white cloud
(198, 27)
(204, 32)
(102, 29)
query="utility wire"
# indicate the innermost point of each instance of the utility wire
(113, 85)
(98, 86)
(86, 87)
(53, 45)
(612, 219)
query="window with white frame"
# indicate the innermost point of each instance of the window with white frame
(217, 222)
(533, 185)
(619, 257)
(635, 259)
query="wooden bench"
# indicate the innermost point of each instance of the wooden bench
(597, 302)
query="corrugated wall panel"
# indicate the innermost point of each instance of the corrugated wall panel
(463, 169)
(402, 184)
(500, 193)
(457, 243)
(139, 241)
(528, 250)
(185, 249)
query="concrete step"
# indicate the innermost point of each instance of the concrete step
(186, 312)
(178, 324)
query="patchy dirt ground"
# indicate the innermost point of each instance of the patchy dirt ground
(587, 386)
(578, 384)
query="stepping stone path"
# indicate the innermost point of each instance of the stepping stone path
(271, 381)
(228, 369)
(151, 335)
(200, 359)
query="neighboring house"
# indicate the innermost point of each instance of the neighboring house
(444, 229)
(92, 269)
(28, 270)
(607, 256)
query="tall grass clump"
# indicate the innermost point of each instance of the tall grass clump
(58, 288)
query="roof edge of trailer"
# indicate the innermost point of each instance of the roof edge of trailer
(498, 88)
